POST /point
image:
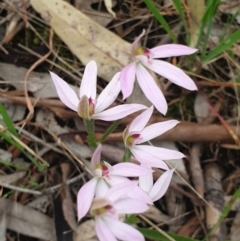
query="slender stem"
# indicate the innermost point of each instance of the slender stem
(90, 128)
(127, 155)
(109, 131)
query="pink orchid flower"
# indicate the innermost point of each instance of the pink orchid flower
(105, 176)
(159, 188)
(107, 209)
(143, 57)
(137, 134)
(87, 105)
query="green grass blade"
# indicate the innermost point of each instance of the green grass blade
(178, 5)
(160, 19)
(225, 212)
(223, 46)
(7, 121)
(207, 20)
(156, 236)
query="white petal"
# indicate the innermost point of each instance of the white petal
(141, 121)
(155, 130)
(147, 158)
(127, 79)
(114, 180)
(85, 197)
(129, 170)
(139, 194)
(161, 185)
(161, 153)
(171, 50)
(146, 183)
(102, 230)
(118, 112)
(101, 188)
(135, 44)
(89, 81)
(172, 73)
(122, 230)
(96, 157)
(150, 89)
(65, 93)
(120, 190)
(109, 94)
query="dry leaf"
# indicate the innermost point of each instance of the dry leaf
(201, 108)
(86, 39)
(109, 5)
(85, 231)
(27, 221)
(40, 84)
(10, 178)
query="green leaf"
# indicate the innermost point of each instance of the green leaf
(7, 121)
(223, 46)
(156, 236)
(160, 19)
(132, 219)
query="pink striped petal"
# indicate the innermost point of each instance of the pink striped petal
(96, 157)
(102, 230)
(85, 197)
(109, 94)
(89, 81)
(141, 120)
(147, 158)
(127, 78)
(118, 112)
(155, 130)
(150, 89)
(130, 206)
(114, 180)
(65, 93)
(171, 50)
(120, 190)
(122, 230)
(172, 73)
(135, 44)
(129, 170)
(161, 185)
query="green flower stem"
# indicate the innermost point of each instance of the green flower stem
(109, 131)
(90, 128)
(127, 155)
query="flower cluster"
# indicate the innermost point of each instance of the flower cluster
(111, 195)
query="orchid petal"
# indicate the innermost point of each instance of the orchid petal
(136, 42)
(140, 121)
(96, 157)
(155, 130)
(139, 194)
(172, 73)
(118, 112)
(109, 94)
(161, 185)
(171, 50)
(65, 93)
(101, 188)
(114, 180)
(129, 170)
(159, 152)
(89, 81)
(147, 158)
(129, 205)
(85, 196)
(146, 182)
(150, 89)
(120, 190)
(122, 230)
(102, 230)
(127, 78)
